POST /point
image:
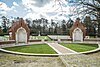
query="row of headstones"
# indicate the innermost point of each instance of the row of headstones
(5, 38)
(35, 37)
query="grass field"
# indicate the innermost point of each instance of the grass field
(80, 47)
(35, 48)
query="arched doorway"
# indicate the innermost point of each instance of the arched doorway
(21, 35)
(77, 35)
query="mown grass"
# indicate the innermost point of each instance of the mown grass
(34, 48)
(80, 47)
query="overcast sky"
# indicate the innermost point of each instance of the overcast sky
(35, 9)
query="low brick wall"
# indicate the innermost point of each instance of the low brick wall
(96, 40)
(35, 40)
(7, 42)
(92, 39)
(45, 40)
(13, 41)
(65, 39)
(55, 39)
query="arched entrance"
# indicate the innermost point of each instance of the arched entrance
(21, 35)
(77, 35)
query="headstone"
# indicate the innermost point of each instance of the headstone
(59, 40)
(39, 34)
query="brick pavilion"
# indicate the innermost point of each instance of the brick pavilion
(77, 31)
(19, 31)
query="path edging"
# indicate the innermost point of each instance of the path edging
(92, 51)
(31, 54)
(54, 48)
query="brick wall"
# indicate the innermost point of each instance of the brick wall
(7, 42)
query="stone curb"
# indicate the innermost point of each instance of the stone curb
(32, 54)
(28, 54)
(92, 51)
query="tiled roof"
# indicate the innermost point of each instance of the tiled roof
(78, 24)
(17, 24)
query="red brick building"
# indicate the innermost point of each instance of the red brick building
(77, 31)
(19, 31)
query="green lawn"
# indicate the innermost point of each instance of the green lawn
(80, 47)
(34, 48)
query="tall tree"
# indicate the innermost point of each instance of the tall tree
(63, 27)
(69, 24)
(28, 22)
(90, 26)
(5, 22)
(1, 30)
(44, 23)
(52, 25)
(34, 27)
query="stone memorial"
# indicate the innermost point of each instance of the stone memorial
(19, 31)
(77, 31)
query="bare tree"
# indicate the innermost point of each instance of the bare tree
(91, 7)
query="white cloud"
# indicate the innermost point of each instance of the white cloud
(27, 2)
(3, 12)
(15, 4)
(32, 15)
(15, 11)
(41, 3)
(33, 9)
(39, 12)
(36, 3)
(4, 7)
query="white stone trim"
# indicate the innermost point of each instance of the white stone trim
(32, 54)
(16, 34)
(81, 33)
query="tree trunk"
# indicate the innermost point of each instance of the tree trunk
(99, 27)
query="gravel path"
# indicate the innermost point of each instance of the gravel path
(82, 60)
(60, 49)
(10, 60)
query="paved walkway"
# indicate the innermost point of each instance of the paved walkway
(60, 49)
